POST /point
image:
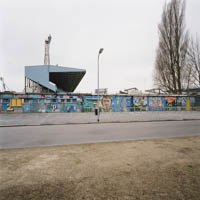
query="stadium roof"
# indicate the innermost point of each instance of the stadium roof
(64, 79)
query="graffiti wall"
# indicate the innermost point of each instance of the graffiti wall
(107, 103)
(121, 104)
(181, 101)
(140, 103)
(88, 103)
(156, 103)
(170, 101)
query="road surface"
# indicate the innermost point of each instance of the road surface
(29, 136)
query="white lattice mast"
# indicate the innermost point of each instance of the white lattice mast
(46, 54)
(3, 85)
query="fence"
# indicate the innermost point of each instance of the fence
(62, 107)
(85, 103)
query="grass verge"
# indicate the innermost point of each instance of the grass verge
(145, 169)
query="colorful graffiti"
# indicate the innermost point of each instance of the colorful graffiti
(170, 101)
(156, 103)
(106, 103)
(121, 104)
(140, 103)
(181, 101)
(84, 103)
(89, 103)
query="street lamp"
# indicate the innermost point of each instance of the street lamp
(100, 51)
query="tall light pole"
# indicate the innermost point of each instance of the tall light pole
(100, 51)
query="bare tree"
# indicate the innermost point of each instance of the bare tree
(171, 57)
(194, 62)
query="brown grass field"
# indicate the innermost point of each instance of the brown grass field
(158, 169)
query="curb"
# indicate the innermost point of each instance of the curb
(85, 123)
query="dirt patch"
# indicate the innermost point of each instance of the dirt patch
(145, 169)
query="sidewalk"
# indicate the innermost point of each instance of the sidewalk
(37, 119)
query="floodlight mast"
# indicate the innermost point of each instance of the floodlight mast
(46, 54)
(4, 87)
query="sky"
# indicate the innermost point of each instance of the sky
(126, 29)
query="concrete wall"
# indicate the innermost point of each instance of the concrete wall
(87, 103)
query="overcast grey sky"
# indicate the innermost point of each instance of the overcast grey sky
(126, 29)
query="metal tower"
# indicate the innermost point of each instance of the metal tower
(46, 54)
(4, 87)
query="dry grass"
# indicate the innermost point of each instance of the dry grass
(158, 169)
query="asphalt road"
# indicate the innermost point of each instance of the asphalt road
(29, 136)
